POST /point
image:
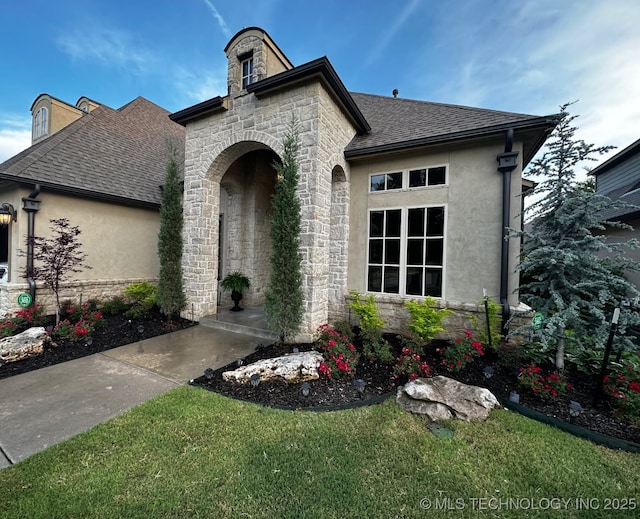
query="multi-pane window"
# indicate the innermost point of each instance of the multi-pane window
(386, 182)
(247, 72)
(425, 177)
(406, 251)
(40, 123)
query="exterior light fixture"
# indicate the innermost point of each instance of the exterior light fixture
(208, 373)
(305, 389)
(140, 329)
(575, 409)
(255, 380)
(296, 350)
(88, 341)
(7, 214)
(360, 386)
(488, 372)
(514, 397)
(239, 362)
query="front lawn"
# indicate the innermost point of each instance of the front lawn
(193, 453)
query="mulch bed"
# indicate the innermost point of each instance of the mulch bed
(118, 330)
(328, 394)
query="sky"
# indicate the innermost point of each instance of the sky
(525, 56)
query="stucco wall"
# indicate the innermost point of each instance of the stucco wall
(120, 241)
(472, 199)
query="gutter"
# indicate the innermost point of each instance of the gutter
(507, 162)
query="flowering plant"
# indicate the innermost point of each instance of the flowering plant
(31, 316)
(81, 323)
(546, 386)
(461, 352)
(624, 388)
(410, 365)
(340, 356)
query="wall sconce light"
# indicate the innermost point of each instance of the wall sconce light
(7, 214)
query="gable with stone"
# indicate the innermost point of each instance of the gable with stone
(400, 198)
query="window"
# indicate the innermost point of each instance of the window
(433, 176)
(428, 177)
(406, 251)
(40, 123)
(247, 72)
(386, 182)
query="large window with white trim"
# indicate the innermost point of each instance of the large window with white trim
(406, 251)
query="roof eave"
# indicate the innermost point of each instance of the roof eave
(619, 157)
(208, 107)
(320, 69)
(544, 123)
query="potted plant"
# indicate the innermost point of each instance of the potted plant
(235, 282)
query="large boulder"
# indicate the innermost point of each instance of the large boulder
(23, 345)
(442, 398)
(292, 368)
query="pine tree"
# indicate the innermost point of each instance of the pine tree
(170, 293)
(571, 275)
(283, 299)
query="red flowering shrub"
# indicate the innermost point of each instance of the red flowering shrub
(81, 322)
(340, 355)
(410, 365)
(27, 317)
(551, 386)
(623, 386)
(461, 352)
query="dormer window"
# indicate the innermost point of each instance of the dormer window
(247, 71)
(40, 123)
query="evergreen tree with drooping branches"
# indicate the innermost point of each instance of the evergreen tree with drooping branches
(170, 295)
(284, 299)
(570, 272)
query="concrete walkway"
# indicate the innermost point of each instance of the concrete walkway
(44, 407)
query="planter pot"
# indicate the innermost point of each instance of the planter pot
(236, 297)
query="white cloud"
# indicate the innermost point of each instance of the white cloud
(199, 86)
(109, 47)
(15, 136)
(219, 18)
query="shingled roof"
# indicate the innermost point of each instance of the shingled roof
(400, 124)
(117, 155)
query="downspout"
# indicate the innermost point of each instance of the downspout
(31, 206)
(507, 162)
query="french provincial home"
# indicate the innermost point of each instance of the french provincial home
(400, 198)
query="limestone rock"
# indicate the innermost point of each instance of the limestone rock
(23, 345)
(292, 368)
(442, 398)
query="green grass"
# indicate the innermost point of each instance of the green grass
(191, 453)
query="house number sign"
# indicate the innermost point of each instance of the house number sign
(24, 299)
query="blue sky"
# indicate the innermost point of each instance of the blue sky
(527, 56)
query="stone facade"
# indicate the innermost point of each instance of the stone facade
(99, 289)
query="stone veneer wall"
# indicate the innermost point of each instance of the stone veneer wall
(214, 143)
(396, 317)
(101, 289)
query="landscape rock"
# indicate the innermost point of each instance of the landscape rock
(29, 343)
(292, 368)
(442, 398)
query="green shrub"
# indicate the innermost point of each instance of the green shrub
(375, 347)
(142, 298)
(367, 312)
(343, 327)
(115, 306)
(426, 319)
(340, 355)
(27, 317)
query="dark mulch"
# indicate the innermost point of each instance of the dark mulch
(326, 393)
(118, 330)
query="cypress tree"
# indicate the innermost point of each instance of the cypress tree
(283, 298)
(170, 294)
(571, 273)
